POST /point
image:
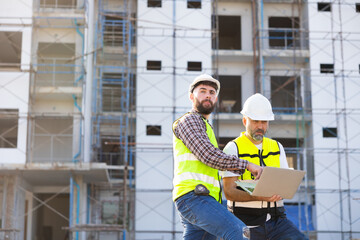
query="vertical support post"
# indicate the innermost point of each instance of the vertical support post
(9, 206)
(173, 227)
(261, 46)
(88, 82)
(71, 206)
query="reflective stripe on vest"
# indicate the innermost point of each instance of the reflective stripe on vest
(185, 157)
(270, 155)
(189, 171)
(197, 177)
(254, 204)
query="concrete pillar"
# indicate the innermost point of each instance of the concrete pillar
(9, 206)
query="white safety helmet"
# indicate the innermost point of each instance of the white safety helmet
(203, 78)
(258, 107)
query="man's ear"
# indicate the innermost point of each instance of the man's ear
(244, 121)
(191, 96)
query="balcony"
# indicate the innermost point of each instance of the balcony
(57, 75)
(52, 140)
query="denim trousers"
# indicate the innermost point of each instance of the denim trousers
(204, 218)
(279, 228)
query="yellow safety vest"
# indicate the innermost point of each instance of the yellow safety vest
(189, 171)
(268, 156)
(255, 212)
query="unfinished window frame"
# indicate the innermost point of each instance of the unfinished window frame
(56, 66)
(285, 93)
(330, 132)
(153, 65)
(284, 32)
(9, 128)
(11, 47)
(327, 68)
(153, 130)
(113, 35)
(154, 3)
(230, 97)
(194, 66)
(357, 7)
(52, 139)
(112, 87)
(324, 7)
(227, 39)
(194, 4)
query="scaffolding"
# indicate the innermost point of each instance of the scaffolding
(113, 100)
(284, 59)
(55, 133)
(300, 39)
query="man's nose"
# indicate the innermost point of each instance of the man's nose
(261, 125)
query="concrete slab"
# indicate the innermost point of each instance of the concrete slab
(46, 174)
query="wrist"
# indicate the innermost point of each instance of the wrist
(247, 165)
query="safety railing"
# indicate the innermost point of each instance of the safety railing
(290, 104)
(111, 97)
(285, 38)
(51, 148)
(113, 159)
(114, 32)
(56, 72)
(57, 4)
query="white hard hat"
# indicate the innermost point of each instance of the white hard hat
(258, 107)
(203, 78)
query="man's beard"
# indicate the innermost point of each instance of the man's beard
(204, 110)
(256, 136)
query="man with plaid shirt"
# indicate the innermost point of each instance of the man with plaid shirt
(197, 159)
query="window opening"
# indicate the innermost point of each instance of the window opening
(154, 130)
(153, 65)
(194, 66)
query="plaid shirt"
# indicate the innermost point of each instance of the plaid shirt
(191, 130)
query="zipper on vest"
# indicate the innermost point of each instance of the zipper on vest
(262, 163)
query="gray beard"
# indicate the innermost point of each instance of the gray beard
(257, 137)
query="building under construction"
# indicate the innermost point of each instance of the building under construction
(89, 90)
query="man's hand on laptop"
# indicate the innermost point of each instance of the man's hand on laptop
(256, 170)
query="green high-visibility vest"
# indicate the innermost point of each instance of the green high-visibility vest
(189, 171)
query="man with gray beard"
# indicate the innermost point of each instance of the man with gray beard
(264, 216)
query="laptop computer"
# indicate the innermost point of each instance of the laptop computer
(281, 181)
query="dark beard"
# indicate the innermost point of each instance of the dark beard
(203, 110)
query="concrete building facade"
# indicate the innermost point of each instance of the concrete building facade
(90, 89)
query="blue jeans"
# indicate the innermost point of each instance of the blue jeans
(279, 228)
(204, 218)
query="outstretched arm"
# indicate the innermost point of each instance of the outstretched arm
(191, 130)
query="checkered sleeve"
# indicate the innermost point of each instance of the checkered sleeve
(191, 130)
